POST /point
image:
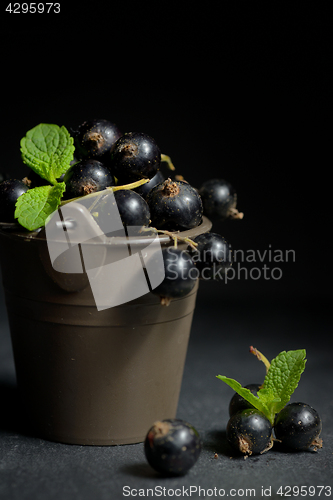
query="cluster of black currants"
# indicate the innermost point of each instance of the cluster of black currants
(296, 427)
(104, 158)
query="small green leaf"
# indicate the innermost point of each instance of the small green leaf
(280, 382)
(48, 150)
(283, 376)
(34, 206)
(260, 404)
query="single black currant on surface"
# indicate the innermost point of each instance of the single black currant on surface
(145, 188)
(298, 427)
(219, 200)
(180, 275)
(174, 206)
(85, 177)
(10, 191)
(95, 138)
(238, 403)
(135, 156)
(249, 432)
(212, 256)
(172, 447)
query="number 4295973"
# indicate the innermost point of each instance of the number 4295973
(33, 8)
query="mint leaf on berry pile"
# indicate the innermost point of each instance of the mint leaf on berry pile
(282, 377)
(37, 204)
(48, 150)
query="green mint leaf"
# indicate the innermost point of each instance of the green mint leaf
(283, 376)
(34, 206)
(48, 150)
(246, 394)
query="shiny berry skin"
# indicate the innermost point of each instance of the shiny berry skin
(135, 156)
(174, 205)
(180, 274)
(10, 191)
(133, 209)
(95, 138)
(172, 447)
(249, 432)
(212, 256)
(85, 177)
(219, 199)
(298, 427)
(238, 403)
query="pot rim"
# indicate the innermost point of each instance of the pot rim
(15, 230)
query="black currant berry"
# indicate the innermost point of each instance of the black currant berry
(145, 188)
(298, 427)
(249, 432)
(172, 446)
(95, 138)
(135, 156)
(180, 275)
(174, 205)
(238, 403)
(219, 200)
(212, 256)
(132, 208)
(85, 177)
(10, 191)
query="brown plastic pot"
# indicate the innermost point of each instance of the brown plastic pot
(90, 377)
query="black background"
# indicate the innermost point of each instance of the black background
(238, 91)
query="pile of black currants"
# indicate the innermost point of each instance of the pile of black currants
(297, 427)
(106, 159)
(291, 427)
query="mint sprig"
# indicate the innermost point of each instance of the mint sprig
(281, 380)
(48, 150)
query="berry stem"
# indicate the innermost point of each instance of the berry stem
(233, 213)
(167, 159)
(132, 185)
(175, 237)
(261, 357)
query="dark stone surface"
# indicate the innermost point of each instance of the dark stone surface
(32, 468)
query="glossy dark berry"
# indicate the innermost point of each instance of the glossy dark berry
(135, 156)
(180, 274)
(95, 138)
(249, 432)
(10, 191)
(132, 208)
(145, 188)
(212, 256)
(174, 205)
(219, 199)
(172, 447)
(238, 403)
(298, 427)
(85, 177)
